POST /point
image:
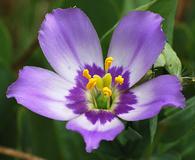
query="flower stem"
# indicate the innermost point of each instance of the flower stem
(108, 32)
(18, 154)
(187, 80)
(26, 55)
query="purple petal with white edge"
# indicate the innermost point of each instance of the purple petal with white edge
(137, 42)
(69, 40)
(95, 126)
(42, 92)
(153, 95)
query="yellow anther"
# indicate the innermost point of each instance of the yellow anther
(107, 91)
(108, 62)
(107, 80)
(119, 80)
(91, 84)
(86, 74)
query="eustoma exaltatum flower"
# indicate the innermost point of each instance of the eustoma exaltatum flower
(90, 93)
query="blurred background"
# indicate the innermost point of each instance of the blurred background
(170, 136)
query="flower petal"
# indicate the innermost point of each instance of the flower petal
(96, 126)
(153, 95)
(137, 42)
(69, 40)
(42, 92)
(125, 102)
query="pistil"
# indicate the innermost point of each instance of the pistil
(108, 62)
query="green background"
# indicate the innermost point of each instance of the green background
(170, 136)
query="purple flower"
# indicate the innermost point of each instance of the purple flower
(86, 91)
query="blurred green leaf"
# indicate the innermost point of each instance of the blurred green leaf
(184, 145)
(68, 141)
(110, 150)
(5, 46)
(153, 127)
(42, 137)
(175, 126)
(24, 138)
(173, 156)
(49, 139)
(146, 6)
(8, 113)
(137, 5)
(184, 44)
(187, 146)
(129, 134)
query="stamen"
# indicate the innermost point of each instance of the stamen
(108, 62)
(91, 84)
(119, 80)
(107, 91)
(86, 74)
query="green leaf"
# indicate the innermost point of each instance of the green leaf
(185, 144)
(108, 32)
(49, 139)
(8, 113)
(146, 6)
(41, 138)
(68, 141)
(137, 5)
(175, 126)
(129, 135)
(5, 46)
(153, 127)
(188, 140)
(173, 156)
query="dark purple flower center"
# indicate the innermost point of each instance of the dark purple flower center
(105, 92)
